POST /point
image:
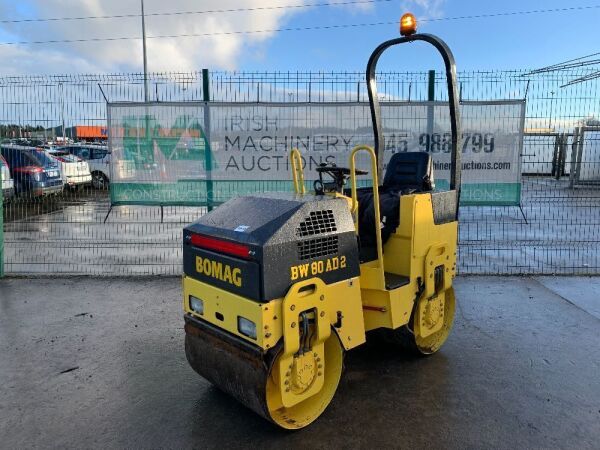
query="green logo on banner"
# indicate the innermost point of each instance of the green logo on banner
(146, 143)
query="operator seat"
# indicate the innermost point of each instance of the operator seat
(406, 173)
(409, 172)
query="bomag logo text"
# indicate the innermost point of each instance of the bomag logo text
(218, 270)
(317, 267)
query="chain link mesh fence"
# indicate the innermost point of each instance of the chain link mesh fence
(72, 230)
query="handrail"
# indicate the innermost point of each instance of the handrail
(297, 171)
(354, 208)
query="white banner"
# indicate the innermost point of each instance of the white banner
(158, 145)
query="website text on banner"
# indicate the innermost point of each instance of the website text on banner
(161, 153)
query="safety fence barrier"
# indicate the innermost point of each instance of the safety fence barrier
(553, 229)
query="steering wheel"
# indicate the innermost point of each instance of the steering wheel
(333, 169)
(339, 175)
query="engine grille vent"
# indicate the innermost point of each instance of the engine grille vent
(318, 222)
(314, 248)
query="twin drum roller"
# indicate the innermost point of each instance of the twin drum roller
(278, 286)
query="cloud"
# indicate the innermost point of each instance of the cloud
(355, 8)
(18, 60)
(425, 9)
(169, 54)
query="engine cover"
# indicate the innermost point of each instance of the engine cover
(291, 237)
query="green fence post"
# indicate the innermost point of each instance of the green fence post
(431, 98)
(207, 149)
(431, 86)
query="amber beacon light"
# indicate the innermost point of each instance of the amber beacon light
(408, 24)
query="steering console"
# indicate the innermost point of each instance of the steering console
(338, 175)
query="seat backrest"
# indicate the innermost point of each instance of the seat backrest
(409, 172)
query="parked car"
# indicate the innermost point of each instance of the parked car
(98, 158)
(74, 171)
(34, 173)
(8, 184)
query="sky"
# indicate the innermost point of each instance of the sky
(520, 41)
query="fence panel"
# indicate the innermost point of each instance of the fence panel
(555, 229)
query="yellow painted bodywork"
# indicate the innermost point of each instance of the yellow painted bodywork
(414, 250)
(229, 306)
(343, 296)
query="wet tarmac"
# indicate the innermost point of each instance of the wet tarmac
(553, 232)
(89, 363)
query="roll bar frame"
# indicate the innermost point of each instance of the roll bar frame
(453, 102)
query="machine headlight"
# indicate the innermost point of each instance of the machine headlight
(247, 327)
(196, 305)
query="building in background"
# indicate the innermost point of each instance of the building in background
(80, 133)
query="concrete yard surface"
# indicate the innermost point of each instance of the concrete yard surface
(99, 363)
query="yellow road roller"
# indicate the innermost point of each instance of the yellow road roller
(277, 287)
